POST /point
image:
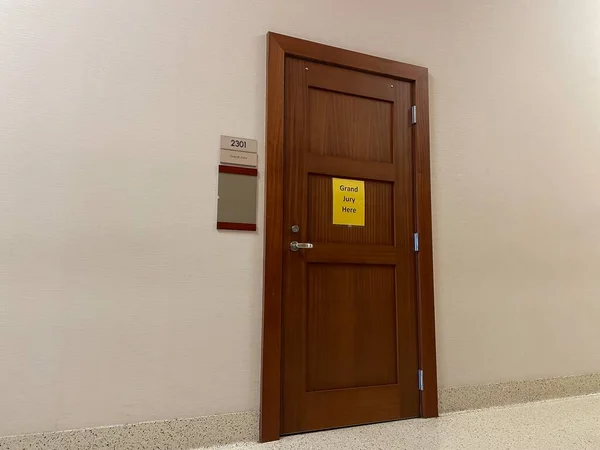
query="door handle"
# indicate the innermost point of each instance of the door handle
(295, 245)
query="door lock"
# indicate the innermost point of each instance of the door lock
(295, 245)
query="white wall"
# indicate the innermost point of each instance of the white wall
(120, 302)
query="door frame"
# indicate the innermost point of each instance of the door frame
(280, 47)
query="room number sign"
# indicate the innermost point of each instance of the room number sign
(239, 144)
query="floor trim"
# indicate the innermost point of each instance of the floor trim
(177, 434)
(187, 434)
(502, 394)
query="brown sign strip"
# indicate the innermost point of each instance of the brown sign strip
(238, 170)
(236, 226)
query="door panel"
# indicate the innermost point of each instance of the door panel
(332, 126)
(379, 214)
(349, 306)
(351, 326)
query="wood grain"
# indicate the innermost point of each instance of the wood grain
(270, 395)
(426, 309)
(405, 222)
(351, 326)
(352, 405)
(312, 51)
(347, 168)
(236, 226)
(352, 254)
(350, 82)
(350, 127)
(294, 287)
(379, 214)
(238, 170)
(349, 309)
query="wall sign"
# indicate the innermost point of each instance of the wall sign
(239, 144)
(348, 202)
(239, 158)
(236, 203)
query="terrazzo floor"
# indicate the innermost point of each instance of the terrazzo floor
(565, 424)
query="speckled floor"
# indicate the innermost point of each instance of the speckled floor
(572, 423)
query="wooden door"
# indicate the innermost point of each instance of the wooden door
(350, 352)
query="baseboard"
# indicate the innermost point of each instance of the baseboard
(178, 434)
(187, 434)
(491, 395)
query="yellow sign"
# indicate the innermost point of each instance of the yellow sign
(348, 202)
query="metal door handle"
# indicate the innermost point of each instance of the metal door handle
(295, 245)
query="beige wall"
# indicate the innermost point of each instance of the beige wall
(120, 302)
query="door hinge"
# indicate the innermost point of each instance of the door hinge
(420, 380)
(416, 242)
(413, 115)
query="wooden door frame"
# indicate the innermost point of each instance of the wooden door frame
(280, 47)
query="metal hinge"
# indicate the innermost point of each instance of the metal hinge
(420, 380)
(416, 242)
(413, 115)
